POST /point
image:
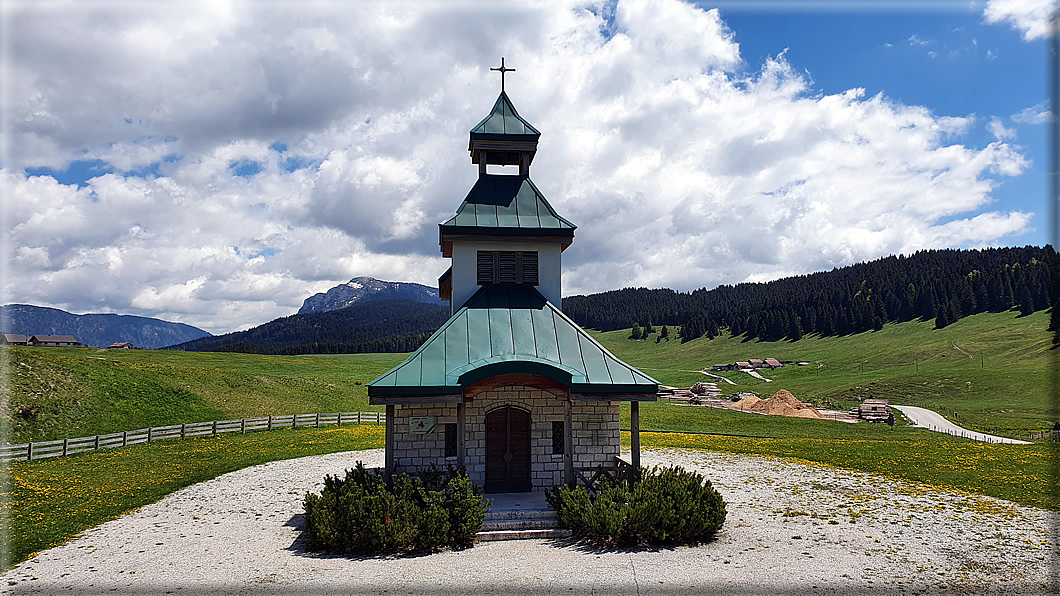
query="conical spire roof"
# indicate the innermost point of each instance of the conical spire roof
(504, 120)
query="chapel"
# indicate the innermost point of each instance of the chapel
(509, 387)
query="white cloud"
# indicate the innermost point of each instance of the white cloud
(1036, 114)
(997, 128)
(1031, 17)
(679, 169)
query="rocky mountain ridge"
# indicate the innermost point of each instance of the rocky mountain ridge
(98, 330)
(368, 289)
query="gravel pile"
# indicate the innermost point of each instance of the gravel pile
(790, 528)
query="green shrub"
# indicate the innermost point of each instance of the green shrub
(367, 513)
(666, 506)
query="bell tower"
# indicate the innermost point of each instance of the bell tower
(505, 232)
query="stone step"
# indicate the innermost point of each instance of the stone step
(521, 514)
(495, 535)
(519, 524)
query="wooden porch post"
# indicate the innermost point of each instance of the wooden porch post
(568, 442)
(460, 413)
(634, 436)
(388, 435)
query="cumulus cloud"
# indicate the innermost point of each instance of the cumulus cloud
(1033, 18)
(1036, 114)
(257, 153)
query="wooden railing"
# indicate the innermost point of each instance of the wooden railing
(61, 447)
(618, 471)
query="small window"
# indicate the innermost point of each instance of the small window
(507, 267)
(558, 438)
(450, 440)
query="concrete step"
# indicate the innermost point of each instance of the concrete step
(519, 524)
(495, 535)
(523, 514)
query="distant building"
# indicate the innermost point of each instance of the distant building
(122, 345)
(742, 365)
(874, 410)
(773, 363)
(15, 339)
(54, 341)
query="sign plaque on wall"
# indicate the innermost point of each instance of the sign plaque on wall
(421, 425)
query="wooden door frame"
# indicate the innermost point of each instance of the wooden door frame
(507, 447)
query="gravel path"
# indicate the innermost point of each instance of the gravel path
(932, 420)
(790, 528)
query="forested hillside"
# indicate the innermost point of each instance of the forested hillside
(380, 326)
(933, 284)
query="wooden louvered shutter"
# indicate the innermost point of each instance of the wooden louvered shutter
(528, 268)
(485, 267)
(507, 267)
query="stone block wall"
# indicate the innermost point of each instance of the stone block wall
(412, 452)
(595, 433)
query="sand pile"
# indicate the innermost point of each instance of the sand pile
(783, 403)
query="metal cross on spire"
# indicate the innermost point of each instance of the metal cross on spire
(503, 70)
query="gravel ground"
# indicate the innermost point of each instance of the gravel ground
(791, 528)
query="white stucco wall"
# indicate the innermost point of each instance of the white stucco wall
(465, 269)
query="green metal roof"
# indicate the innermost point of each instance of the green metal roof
(510, 329)
(505, 121)
(509, 202)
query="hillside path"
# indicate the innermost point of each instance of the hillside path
(932, 420)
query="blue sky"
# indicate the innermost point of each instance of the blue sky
(944, 57)
(217, 163)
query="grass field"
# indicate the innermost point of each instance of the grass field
(79, 392)
(45, 503)
(991, 369)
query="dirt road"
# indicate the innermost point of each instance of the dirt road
(934, 421)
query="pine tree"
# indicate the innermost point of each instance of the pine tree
(942, 319)
(1026, 302)
(665, 334)
(636, 334)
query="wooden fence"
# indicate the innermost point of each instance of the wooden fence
(61, 447)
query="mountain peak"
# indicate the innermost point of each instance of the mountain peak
(368, 289)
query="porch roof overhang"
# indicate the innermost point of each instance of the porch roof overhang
(510, 330)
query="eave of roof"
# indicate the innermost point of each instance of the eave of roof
(506, 330)
(507, 202)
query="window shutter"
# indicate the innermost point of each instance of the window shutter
(485, 267)
(529, 268)
(507, 267)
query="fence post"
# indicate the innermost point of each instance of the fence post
(358, 418)
(124, 438)
(243, 425)
(318, 420)
(294, 420)
(377, 417)
(29, 455)
(214, 428)
(183, 428)
(340, 419)
(97, 443)
(66, 445)
(270, 422)
(150, 434)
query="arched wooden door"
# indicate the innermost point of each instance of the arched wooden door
(507, 450)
